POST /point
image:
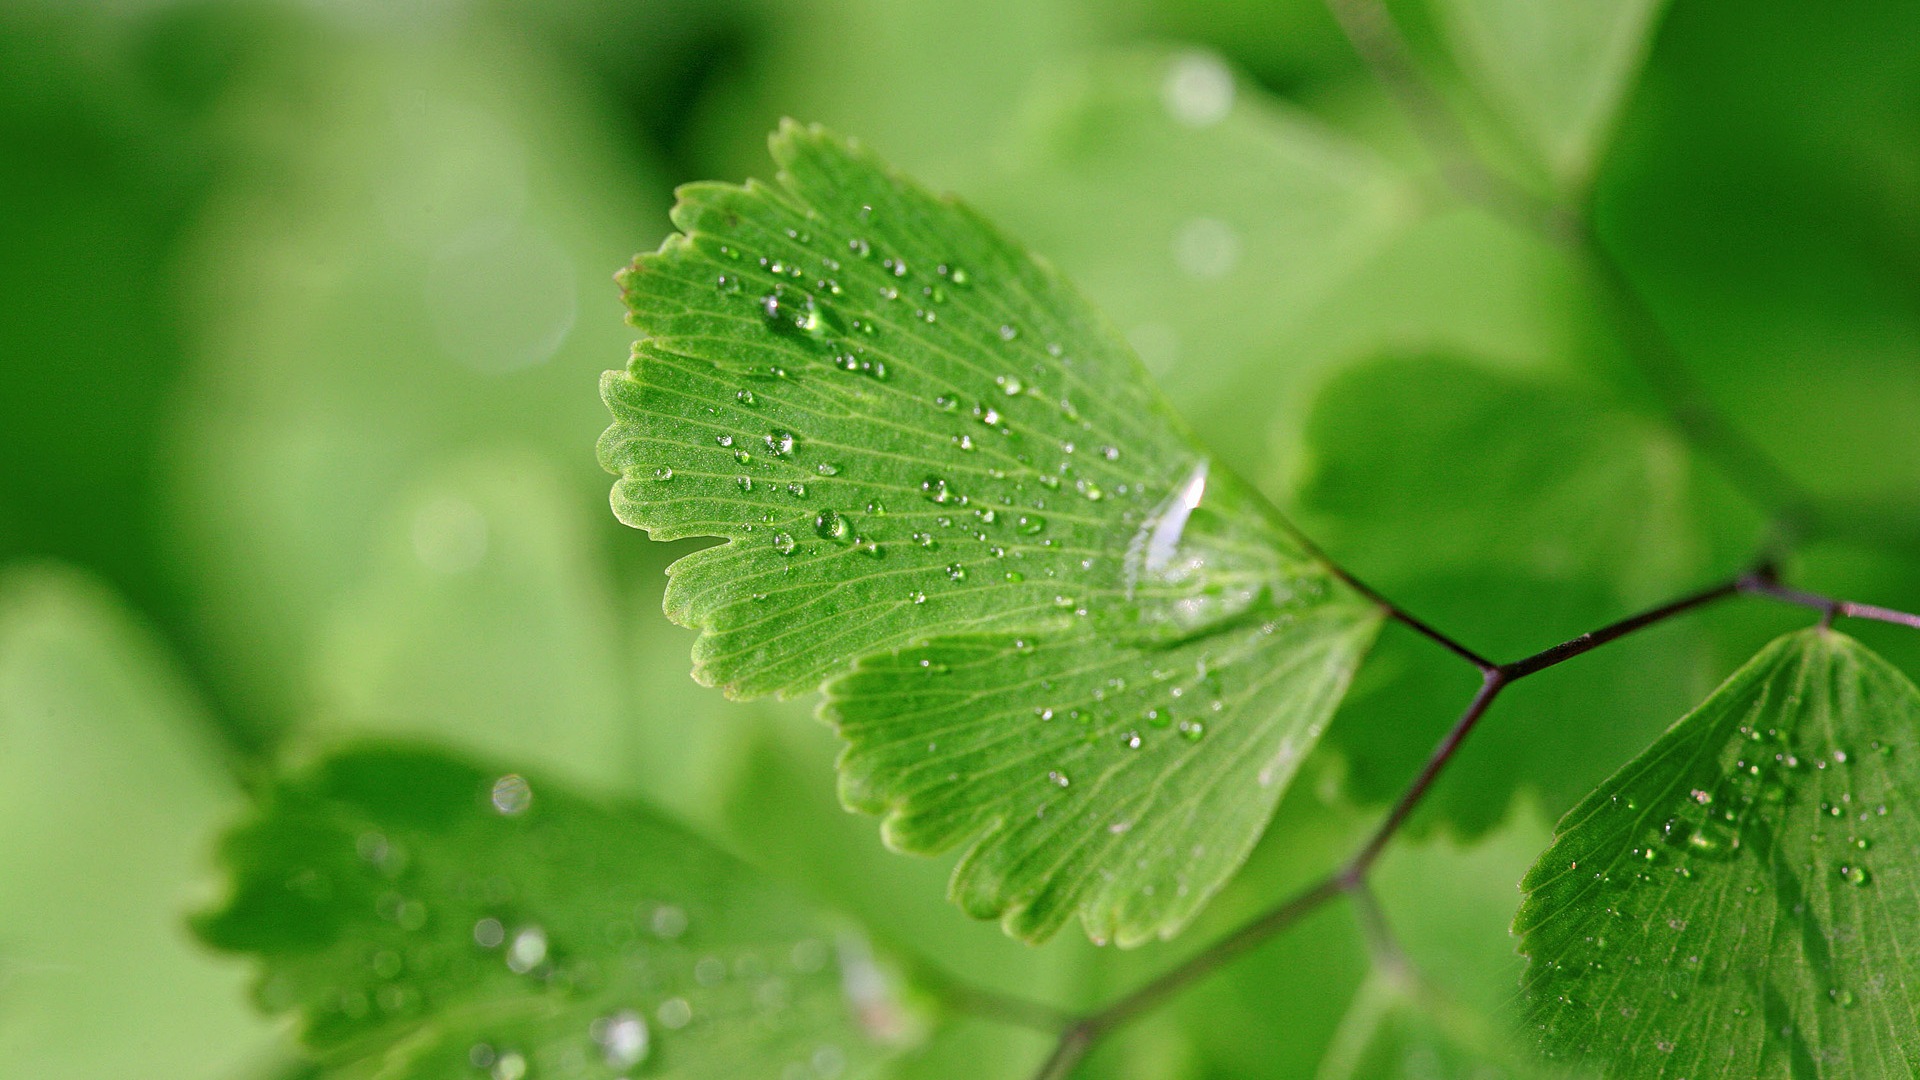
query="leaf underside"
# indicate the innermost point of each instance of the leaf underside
(1739, 901)
(430, 919)
(1080, 643)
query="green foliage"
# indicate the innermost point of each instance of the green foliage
(305, 299)
(1739, 900)
(426, 917)
(928, 453)
(1172, 191)
(1555, 70)
(109, 790)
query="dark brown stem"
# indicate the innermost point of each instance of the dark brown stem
(1770, 587)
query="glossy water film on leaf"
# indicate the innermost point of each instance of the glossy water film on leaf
(426, 918)
(1721, 907)
(1004, 491)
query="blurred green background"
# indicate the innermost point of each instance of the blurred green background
(302, 306)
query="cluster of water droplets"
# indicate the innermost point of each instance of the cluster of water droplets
(1751, 818)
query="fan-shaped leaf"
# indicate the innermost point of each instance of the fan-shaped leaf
(926, 450)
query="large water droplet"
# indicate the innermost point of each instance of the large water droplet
(528, 949)
(512, 795)
(623, 1038)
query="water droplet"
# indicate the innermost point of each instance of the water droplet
(1198, 91)
(960, 277)
(674, 1013)
(623, 1038)
(1131, 740)
(1008, 332)
(796, 489)
(1011, 385)
(1058, 778)
(964, 442)
(745, 483)
(510, 1066)
(723, 440)
(710, 971)
(1856, 875)
(780, 442)
(745, 397)
(512, 795)
(489, 933)
(1192, 730)
(827, 468)
(668, 922)
(1206, 248)
(936, 490)
(830, 525)
(529, 947)
(783, 543)
(1089, 489)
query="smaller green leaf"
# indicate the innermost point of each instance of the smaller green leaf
(1557, 70)
(428, 918)
(1740, 901)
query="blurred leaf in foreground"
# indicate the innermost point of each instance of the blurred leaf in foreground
(427, 918)
(110, 796)
(1740, 900)
(906, 426)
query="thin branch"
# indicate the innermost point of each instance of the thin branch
(1077, 1038)
(1770, 587)
(1392, 610)
(1490, 686)
(1593, 639)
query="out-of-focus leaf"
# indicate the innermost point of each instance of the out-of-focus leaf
(1739, 901)
(929, 455)
(1206, 218)
(408, 271)
(483, 624)
(428, 918)
(1513, 513)
(1557, 70)
(109, 794)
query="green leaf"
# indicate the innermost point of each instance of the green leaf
(428, 918)
(1739, 901)
(1556, 70)
(1092, 644)
(110, 793)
